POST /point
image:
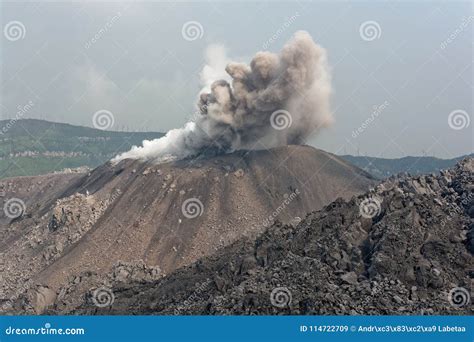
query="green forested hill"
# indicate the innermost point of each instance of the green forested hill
(32, 147)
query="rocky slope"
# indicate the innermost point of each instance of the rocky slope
(157, 218)
(406, 247)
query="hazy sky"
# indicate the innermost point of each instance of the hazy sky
(413, 61)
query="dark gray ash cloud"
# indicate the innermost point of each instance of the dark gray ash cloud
(278, 99)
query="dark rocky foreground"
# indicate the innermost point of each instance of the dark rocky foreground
(406, 247)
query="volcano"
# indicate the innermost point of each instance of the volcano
(412, 256)
(160, 216)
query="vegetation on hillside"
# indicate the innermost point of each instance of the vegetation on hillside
(31, 147)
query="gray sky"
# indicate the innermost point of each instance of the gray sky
(417, 65)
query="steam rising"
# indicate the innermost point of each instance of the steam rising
(295, 83)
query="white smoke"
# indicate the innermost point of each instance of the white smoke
(238, 115)
(216, 62)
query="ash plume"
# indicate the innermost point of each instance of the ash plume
(279, 99)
